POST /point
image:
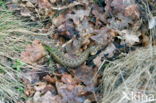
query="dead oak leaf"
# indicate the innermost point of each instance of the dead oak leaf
(145, 40)
(30, 76)
(50, 88)
(49, 79)
(120, 5)
(97, 61)
(99, 14)
(58, 20)
(68, 79)
(46, 98)
(67, 30)
(44, 4)
(29, 90)
(33, 52)
(40, 86)
(120, 22)
(78, 15)
(132, 11)
(102, 36)
(110, 50)
(129, 37)
(86, 74)
(85, 27)
(43, 87)
(70, 93)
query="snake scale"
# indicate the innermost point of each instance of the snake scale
(59, 56)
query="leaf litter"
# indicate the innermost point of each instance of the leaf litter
(117, 23)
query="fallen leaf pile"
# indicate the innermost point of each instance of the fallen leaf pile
(76, 87)
(117, 23)
(33, 52)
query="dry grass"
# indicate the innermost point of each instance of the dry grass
(10, 46)
(10, 85)
(135, 73)
(132, 78)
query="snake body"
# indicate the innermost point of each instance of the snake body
(60, 57)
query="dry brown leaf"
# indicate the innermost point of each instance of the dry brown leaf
(30, 76)
(120, 5)
(59, 20)
(50, 88)
(49, 79)
(33, 52)
(85, 27)
(70, 93)
(86, 74)
(68, 79)
(119, 22)
(132, 11)
(46, 98)
(29, 90)
(44, 4)
(145, 40)
(40, 86)
(113, 33)
(67, 30)
(78, 15)
(130, 37)
(110, 50)
(99, 14)
(102, 36)
(97, 61)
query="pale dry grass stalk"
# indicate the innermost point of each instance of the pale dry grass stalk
(9, 85)
(9, 81)
(134, 73)
(132, 78)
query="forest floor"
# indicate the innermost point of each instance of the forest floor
(122, 71)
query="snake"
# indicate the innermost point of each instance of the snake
(59, 56)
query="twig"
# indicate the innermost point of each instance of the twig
(66, 7)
